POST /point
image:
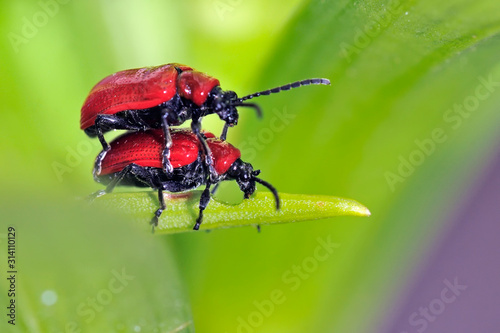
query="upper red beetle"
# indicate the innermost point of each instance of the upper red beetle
(160, 97)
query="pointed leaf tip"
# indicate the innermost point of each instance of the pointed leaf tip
(181, 212)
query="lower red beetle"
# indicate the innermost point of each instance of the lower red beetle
(161, 97)
(135, 158)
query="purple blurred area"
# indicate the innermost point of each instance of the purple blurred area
(458, 289)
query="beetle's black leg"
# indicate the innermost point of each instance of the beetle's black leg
(104, 122)
(196, 128)
(204, 200)
(224, 132)
(119, 177)
(96, 195)
(215, 189)
(161, 199)
(97, 164)
(134, 169)
(115, 181)
(100, 121)
(167, 166)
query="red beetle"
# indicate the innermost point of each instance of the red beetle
(135, 158)
(161, 97)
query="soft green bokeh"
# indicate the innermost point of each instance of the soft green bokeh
(80, 269)
(396, 79)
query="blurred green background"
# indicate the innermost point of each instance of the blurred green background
(407, 125)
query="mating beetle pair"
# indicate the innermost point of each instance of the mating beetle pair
(135, 158)
(160, 97)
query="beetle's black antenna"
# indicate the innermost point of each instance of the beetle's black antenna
(285, 87)
(271, 188)
(251, 105)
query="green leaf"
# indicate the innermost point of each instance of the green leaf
(181, 212)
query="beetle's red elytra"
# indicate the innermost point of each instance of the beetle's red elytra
(145, 149)
(144, 88)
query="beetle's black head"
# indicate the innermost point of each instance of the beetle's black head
(246, 176)
(224, 103)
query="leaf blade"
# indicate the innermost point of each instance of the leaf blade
(181, 212)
